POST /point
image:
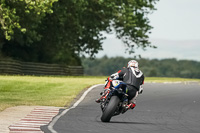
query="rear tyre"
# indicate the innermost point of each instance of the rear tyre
(110, 109)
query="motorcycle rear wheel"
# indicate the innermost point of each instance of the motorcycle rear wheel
(110, 109)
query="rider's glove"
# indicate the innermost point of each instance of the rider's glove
(111, 78)
(114, 76)
(140, 90)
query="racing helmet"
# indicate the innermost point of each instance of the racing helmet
(133, 63)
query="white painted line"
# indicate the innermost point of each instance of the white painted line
(50, 127)
(178, 82)
(44, 112)
(40, 115)
(26, 132)
(42, 120)
(26, 126)
(31, 124)
(24, 129)
(36, 113)
(40, 112)
(33, 121)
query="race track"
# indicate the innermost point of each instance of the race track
(162, 108)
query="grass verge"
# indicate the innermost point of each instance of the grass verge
(46, 91)
(51, 91)
(164, 79)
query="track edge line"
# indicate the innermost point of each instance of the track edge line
(50, 126)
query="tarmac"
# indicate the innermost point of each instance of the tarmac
(162, 107)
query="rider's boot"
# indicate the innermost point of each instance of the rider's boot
(103, 95)
(98, 100)
(101, 98)
(130, 106)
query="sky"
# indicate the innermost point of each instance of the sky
(176, 33)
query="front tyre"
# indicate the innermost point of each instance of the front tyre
(110, 109)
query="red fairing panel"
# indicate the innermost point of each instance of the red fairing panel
(108, 84)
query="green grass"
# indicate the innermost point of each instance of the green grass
(47, 91)
(51, 91)
(164, 79)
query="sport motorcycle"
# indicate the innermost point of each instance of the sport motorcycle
(114, 99)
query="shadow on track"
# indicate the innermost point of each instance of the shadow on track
(123, 122)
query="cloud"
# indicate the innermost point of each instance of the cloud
(176, 20)
(189, 49)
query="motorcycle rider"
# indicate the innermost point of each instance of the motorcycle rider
(134, 78)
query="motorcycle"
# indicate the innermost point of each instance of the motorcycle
(114, 99)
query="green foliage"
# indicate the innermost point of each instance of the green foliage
(150, 68)
(59, 31)
(23, 16)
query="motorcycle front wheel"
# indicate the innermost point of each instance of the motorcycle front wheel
(110, 109)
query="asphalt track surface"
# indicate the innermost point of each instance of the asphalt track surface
(162, 108)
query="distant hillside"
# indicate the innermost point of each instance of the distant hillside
(151, 68)
(185, 49)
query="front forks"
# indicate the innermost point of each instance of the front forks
(104, 100)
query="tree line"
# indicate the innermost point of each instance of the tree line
(151, 68)
(61, 31)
